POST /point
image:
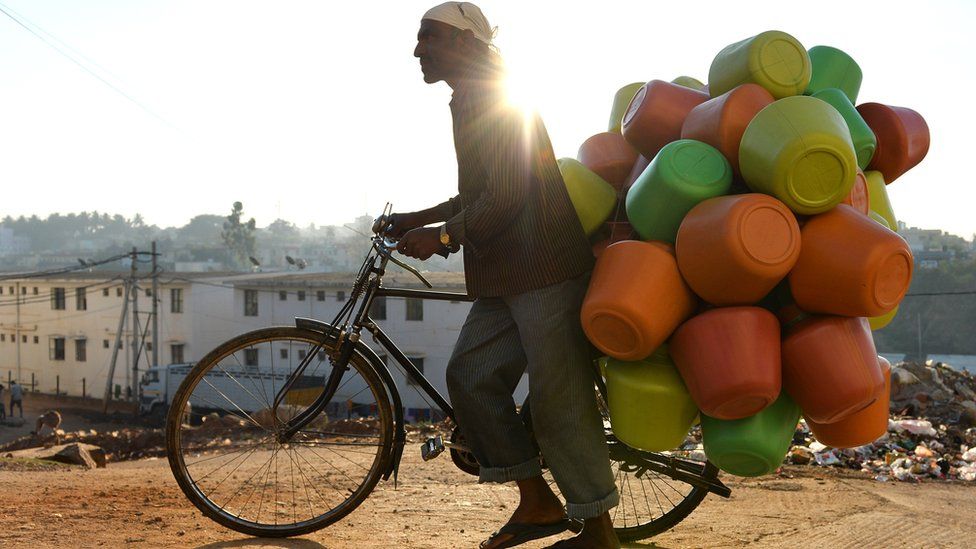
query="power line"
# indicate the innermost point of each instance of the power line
(7, 11)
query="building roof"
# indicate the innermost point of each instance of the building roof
(446, 280)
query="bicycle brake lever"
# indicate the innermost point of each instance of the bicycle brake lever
(404, 266)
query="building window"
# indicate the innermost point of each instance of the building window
(250, 357)
(3, 337)
(81, 350)
(1, 290)
(419, 363)
(176, 353)
(105, 344)
(57, 299)
(118, 292)
(23, 338)
(320, 356)
(301, 295)
(341, 295)
(12, 292)
(81, 299)
(283, 353)
(23, 290)
(377, 311)
(57, 348)
(36, 291)
(148, 292)
(415, 308)
(302, 353)
(36, 340)
(282, 295)
(320, 295)
(176, 300)
(250, 303)
(104, 292)
(149, 346)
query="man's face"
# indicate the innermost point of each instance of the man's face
(439, 50)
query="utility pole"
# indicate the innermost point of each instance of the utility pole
(155, 307)
(17, 332)
(115, 350)
(135, 325)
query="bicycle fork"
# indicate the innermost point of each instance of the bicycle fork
(289, 428)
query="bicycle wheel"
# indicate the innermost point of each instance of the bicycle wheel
(651, 502)
(223, 444)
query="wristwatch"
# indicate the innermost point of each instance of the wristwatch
(445, 238)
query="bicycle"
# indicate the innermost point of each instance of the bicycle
(234, 420)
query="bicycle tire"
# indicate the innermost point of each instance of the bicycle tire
(211, 509)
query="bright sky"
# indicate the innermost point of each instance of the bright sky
(316, 111)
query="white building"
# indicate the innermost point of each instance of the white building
(57, 332)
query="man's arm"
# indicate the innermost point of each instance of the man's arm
(508, 168)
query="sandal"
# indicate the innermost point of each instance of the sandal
(523, 532)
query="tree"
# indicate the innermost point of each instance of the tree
(239, 237)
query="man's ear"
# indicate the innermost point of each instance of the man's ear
(468, 39)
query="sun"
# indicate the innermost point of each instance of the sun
(522, 91)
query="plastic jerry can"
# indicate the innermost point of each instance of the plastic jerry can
(850, 266)
(729, 358)
(689, 82)
(733, 250)
(862, 427)
(881, 322)
(878, 199)
(608, 155)
(773, 59)
(799, 150)
(862, 136)
(859, 199)
(650, 408)
(655, 115)
(683, 174)
(721, 121)
(621, 100)
(752, 446)
(830, 367)
(832, 68)
(635, 300)
(592, 197)
(903, 138)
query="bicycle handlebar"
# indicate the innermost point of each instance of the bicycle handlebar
(385, 247)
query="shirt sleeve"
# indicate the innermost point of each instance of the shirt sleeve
(507, 166)
(448, 208)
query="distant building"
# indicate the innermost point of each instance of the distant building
(11, 244)
(57, 331)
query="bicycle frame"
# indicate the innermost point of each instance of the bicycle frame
(367, 288)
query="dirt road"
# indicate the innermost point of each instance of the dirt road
(137, 504)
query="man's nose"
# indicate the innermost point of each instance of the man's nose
(420, 50)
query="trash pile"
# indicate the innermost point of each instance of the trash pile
(931, 433)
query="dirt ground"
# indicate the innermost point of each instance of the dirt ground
(137, 504)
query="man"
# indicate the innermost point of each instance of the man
(527, 261)
(16, 398)
(3, 409)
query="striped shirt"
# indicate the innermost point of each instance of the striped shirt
(512, 214)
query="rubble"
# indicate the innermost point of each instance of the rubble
(87, 455)
(931, 433)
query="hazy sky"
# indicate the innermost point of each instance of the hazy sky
(315, 111)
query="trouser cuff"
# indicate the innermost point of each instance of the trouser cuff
(582, 511)
(522, 471)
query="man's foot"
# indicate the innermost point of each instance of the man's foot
(538, 505)
(597, 534)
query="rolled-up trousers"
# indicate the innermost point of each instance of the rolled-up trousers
(537, 332)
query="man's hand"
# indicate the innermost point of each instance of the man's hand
(420, 243)
(397, 224)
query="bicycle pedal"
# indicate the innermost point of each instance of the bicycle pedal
(432, 448)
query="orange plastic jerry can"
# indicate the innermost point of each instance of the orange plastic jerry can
(862, 427)
(656, 113)
(635, 300)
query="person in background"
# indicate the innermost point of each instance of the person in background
(16, 398)
(3, 409)
(527, 261)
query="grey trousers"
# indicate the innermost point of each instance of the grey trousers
(539, 332)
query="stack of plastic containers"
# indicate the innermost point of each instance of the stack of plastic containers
(746, 249)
